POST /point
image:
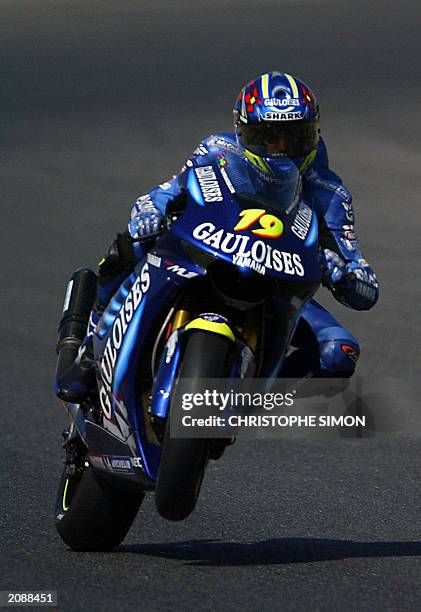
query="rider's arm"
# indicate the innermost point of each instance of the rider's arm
(350, 278)
(149, 211)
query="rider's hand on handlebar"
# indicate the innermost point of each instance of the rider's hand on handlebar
(334, 268)
(336, 271)
(147, 223)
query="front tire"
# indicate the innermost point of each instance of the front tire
(184, 460)
(92, 515)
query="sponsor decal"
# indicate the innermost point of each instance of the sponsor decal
(209, 185)
(142, 203)
(270, 226)
(222, 160)
(171, 346)
(167, 184)
(365, 276)
(351, 352)
(339, 189)
(182, 271)
(281, 102)
(224, 144)
(115, 340)
(302, 221)
(227, 180)
(92, 326)
(144, 199)
(350, 238)
(137, 462)
(365, 290)
(117, 464)
(154, 260)
(213, 317)
(350, 245)
(349, 213)
(274, 116)
(280, 96)
(349, 232)
(365, 280)
(256, 255)
(200, 150)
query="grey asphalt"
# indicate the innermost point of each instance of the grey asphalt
(102, 100)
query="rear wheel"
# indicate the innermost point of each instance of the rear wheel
(91, 514)
(183, 460)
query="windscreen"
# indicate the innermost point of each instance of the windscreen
(282, 188)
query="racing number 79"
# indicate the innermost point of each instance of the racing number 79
(270, 226)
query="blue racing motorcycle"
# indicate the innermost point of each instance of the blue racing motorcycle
(218, 296)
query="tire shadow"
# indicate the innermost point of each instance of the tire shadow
(276, 551)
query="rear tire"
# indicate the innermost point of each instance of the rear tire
(184, 460)
(92, 515)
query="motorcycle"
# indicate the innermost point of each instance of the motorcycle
(218, 296)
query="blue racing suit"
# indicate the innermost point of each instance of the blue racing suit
(324, 347)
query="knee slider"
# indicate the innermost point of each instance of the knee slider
(339, 357)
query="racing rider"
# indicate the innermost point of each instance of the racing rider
(276, 118)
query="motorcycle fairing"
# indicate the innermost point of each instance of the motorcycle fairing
(135, 313)
(213, 228)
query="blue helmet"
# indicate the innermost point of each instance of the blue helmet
(276, 116)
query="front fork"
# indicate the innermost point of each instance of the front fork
(181, 326)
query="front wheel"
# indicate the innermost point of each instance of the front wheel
(184, 460)
(92, 515)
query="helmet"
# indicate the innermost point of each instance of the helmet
(276, 116)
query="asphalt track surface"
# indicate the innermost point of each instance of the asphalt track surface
(102, 100)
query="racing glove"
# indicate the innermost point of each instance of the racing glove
(333, 267)
(352, 283)
(146, 221)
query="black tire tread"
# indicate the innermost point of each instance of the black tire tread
(99, 515)
(183, 460)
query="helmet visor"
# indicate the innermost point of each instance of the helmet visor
(273, 139)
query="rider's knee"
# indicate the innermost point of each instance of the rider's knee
(339, 357)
